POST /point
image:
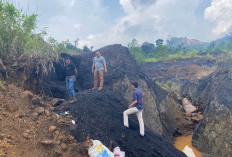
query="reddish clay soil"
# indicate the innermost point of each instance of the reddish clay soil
(30, 128)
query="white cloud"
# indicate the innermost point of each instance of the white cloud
(220, 12)
(138, 23)
(101, 22)
(77, 25)
(91, 37)
(148, 20)
(83, 43)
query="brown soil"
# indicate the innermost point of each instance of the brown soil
(30, 128)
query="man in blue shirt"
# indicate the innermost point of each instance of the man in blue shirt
(136, 107)
(98, 68)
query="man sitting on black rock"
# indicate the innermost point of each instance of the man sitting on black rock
(135, 108)
(71, 74)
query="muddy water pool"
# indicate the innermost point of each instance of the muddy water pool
(184, 144)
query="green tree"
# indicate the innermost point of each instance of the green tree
(136, 50)
(86, 48)
(159, 42)
(162, 51)
(148, 48)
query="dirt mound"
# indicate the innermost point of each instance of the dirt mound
(29, 127)
(213, 95)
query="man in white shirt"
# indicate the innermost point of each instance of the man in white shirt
(98, 68)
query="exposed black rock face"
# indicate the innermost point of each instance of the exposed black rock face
(214, 95)
(99, 113)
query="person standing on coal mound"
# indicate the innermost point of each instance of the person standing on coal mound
(71, 75)
(98, 69)
(136, 107)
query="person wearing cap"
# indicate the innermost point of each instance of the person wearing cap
(71, 75)
(136, 107)
(98, 69)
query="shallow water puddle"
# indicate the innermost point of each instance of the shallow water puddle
(184, 144)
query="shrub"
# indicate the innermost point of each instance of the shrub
(169, 86)
(136, 51)
(209, 56)
(158, 83)
(17, 33)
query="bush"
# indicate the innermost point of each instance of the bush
(158, 83)
(162, 51)
(209, 56)
(136, 51)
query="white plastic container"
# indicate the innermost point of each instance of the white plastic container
(99, 150)
(118, 152)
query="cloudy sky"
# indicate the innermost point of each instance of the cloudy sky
(101, 22)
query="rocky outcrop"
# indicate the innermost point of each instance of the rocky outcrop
(213, 94)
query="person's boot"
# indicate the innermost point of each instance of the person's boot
(69, 99)
(73, 100)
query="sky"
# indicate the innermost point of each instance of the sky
(102, 22)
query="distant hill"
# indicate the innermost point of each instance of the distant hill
(226, 39)
(183, 41)
(224, 43)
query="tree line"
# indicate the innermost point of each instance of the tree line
(174, 49)
(18, 37)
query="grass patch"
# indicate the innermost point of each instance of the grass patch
(2, 86)
(169, 86)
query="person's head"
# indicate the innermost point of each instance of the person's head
(134, 85)
(98, 54)
(67, 61)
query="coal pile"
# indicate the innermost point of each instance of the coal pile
(99, 113)
(100, 116)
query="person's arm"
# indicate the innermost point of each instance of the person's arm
(75, 70)
(93, 67)
(133, 103)
(105, 68)
(104, 61)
